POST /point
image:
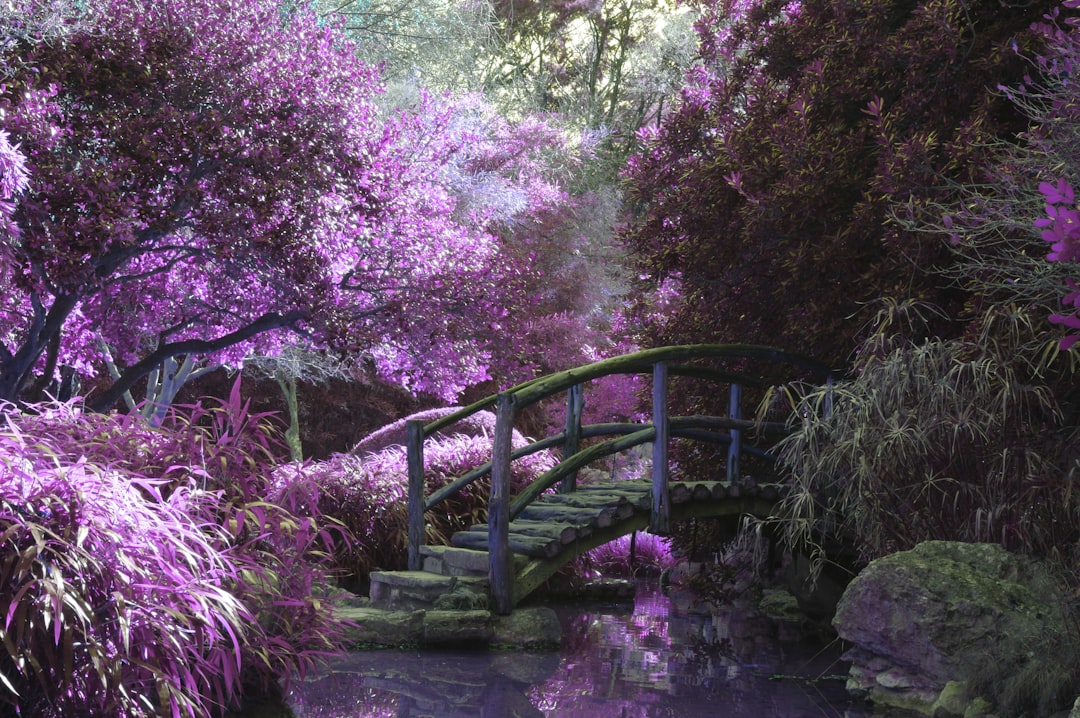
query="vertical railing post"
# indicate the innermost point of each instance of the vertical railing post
(500, 564)
(414, 451)
(575, 404)
(735, 447)
(660, 518)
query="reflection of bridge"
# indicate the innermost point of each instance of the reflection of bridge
(531, 535)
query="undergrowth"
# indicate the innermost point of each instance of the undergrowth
(947, 440)
(962, 440)
(368, 493)
(141, 571)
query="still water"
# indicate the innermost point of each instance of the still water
(651, 659)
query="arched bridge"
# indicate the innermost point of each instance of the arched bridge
(531, 535)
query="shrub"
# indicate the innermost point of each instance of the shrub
(140, 576)
(639, 554)
(115, 599)
(937, 440)
(369, 494)
(482, 423)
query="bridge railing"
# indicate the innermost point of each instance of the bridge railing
(655, 362)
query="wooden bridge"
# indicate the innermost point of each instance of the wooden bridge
(531, 535)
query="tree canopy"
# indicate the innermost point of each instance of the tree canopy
(212, 177)
(769, 197)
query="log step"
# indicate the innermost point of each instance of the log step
(534, 546)
(565, 533)
(574, 515)
(592, 499)
(619, 506)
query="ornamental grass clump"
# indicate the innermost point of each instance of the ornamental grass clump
(114, 599)
(947, 440)
(149, 581)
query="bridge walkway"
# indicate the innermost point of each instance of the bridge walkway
(554, 529)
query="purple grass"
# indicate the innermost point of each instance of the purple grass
(141, 575)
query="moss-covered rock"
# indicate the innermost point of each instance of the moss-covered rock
(534, 627)
(457, 627)
(531, 628)
(942, 612)
(373, 626)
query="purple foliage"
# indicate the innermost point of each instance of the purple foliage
(1053, 91)
(1061, 228)
(139, 578)
(212, 177)
(651, 555)
(368, 494)
(13, 181)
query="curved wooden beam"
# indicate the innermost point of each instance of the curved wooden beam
(535, 572)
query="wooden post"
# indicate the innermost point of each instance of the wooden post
(500, 563)
(575, 404)
(660, 519)
(414, 452)
(735, 447)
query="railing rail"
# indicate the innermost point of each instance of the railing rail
(656, 362)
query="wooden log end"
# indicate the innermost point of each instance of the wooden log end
(679, 494)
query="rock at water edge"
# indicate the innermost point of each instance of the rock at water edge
(919, 619)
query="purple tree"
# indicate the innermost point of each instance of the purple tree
(771, 191)
(208, 177)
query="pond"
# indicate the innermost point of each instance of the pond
(649, 659)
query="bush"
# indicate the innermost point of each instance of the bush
(139, 575)
(368, 494)
(651, 554)
(482, 423)
(114, 598)
(937, 440)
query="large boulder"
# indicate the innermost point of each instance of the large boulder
(921, 622)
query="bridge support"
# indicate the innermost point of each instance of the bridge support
(414, 454)
(660, 518)
(500, 566)
(575, 405)
(735, 447)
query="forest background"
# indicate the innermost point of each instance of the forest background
(380, 207)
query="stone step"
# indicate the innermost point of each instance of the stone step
(410, 590)
(526, 628)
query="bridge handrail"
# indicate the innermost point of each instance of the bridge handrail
(680, 425)
(642, 362)
(683, 426)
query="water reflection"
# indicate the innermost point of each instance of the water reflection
(652, 661)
